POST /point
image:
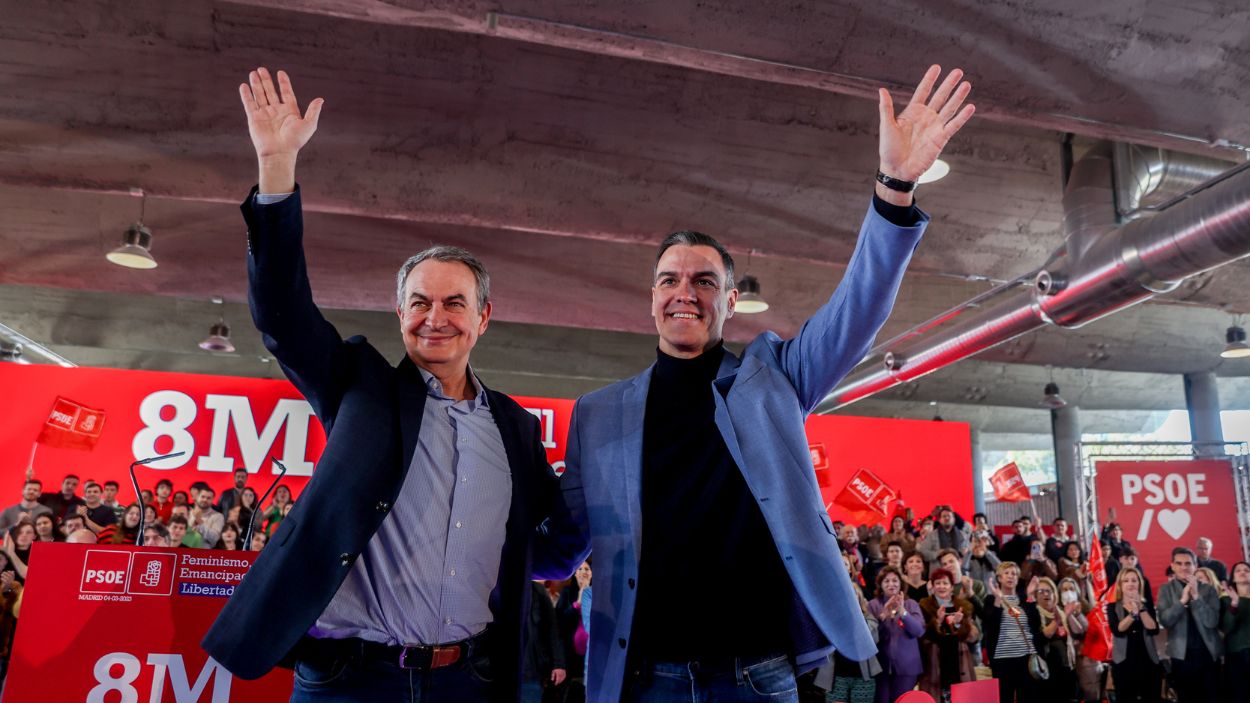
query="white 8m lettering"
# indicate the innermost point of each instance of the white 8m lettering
(164, 666)
(229, 411)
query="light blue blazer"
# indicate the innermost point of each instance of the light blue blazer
(762, 402)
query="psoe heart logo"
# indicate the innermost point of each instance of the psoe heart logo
(1156, 490)
(105, 571)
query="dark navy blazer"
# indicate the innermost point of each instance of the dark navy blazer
(371, 412)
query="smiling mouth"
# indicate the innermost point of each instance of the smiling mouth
(684, 315)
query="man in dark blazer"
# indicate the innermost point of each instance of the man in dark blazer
(395, 576)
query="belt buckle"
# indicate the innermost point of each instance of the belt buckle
(409, 649)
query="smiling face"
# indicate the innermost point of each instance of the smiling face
(689, 300)
(942, 588)
(439, 317)
(914, 566)
(894, 555)
(890, 585)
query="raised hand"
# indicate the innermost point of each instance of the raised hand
(278, 131)
(911, 142)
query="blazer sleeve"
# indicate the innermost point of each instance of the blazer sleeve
(836, 338)
(563, 539)
(280, 296)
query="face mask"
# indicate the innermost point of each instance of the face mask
(1069, 597)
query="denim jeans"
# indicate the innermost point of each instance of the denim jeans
(349, 679)
(746, 681)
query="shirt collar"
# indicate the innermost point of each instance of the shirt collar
(435, 388)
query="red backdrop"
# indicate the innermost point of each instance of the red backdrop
(1166, 504)
(223, 422)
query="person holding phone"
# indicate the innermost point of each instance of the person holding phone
(950, 629)
(1036, 566)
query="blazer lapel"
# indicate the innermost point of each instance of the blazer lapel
(412, 394)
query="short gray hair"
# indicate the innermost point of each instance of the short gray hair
(446, 254)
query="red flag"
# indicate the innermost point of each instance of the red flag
(820, 462)
(72, 425)
(1009, 485)
(1097, 645)
(866, 497)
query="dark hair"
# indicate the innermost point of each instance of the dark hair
(158, 528)
(199, 486)
(1025, 517)
(178, 520)
(886, 571)
(1128, 552)
(165, 482)
(1177, 551)
(182, 493)
(112, 483)
(942, 574)
(1067, 545)
(977, 515)
(35, 481)
(446, 254)
(1058, 520)
(690, 238)
(943, 553)
(73, 476)
(207, 489)
(89, 484)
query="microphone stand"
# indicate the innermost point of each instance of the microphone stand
(251, 524)
(139, 494)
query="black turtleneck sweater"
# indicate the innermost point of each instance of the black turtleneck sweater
(711, 583)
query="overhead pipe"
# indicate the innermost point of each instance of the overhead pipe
(1100, 269)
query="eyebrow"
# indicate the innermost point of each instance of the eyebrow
(697, 274)
(451, 298)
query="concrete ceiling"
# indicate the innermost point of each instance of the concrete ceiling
(561, 140)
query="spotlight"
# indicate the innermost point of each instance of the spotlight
(135, 251)
(1051, 398)
(1236, 347)
(749, 299)
(218, 339)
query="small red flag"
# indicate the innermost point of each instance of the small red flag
(866, 497)
(72, 425)
(1009, 485)
(1097, 645)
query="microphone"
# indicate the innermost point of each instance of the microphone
(251, 524)
(139, 494)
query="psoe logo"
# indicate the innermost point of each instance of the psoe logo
(152, 574)
(105, 571)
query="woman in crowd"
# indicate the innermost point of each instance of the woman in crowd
(899, 534)
(949, 630)
(180, 498)
(982, 563)
(1134, 658)
(248, 509)
(845, 680)
(1063, 627)
(1012, 633)
(1235, 624)
(1088, 671)
(1073, 565)
(229, 537)
(894, 555)
(1206, 574)
(124, 532)
(279, 506)
(17, 548)
(45, 529)
(899, 630)
(258, 541)
(150, 517)
(915, 577)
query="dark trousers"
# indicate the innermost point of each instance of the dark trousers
(1137, 682)
(351, 678)
(1196, 677)
(733, 681)
(1237, 675)
(1014, 683)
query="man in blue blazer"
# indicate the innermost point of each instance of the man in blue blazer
(717, 570)
(403, 571)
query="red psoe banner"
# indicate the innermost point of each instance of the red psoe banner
(866, 497)
(72, 425)
(1166, 504)
(111, 623)
(1009, 485)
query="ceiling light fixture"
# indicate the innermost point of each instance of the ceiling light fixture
(218, 339)
(749, 299)
(936, 172)
(1051, 398)
(1236, 347)
(136, 249)
(11, 352)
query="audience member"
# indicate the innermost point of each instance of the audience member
(1072, 564)
(1036, 566)
(180, 536)
(1017, 548)
(899, 630)
(847, 680)
(110, 499)
(1190, 612)
(1235, 624)
(81, 536)
(124, 532)
(1063, 628)
(29, 505)
(982, 563)
(915, 577)
(1012, 633)
(230, 538)
(1203, 551)
(204, 519)
(945, 535)
(981, 523)
(894, 555)
(17, 548)
(63, 503)
(180, 498)
(45, 529)
(155, 534)
(163, 501)
(230, 497)
(279, 506)
(1056, 543)
(899, 534)
(949, 630)
(1114, 535)
(259, 539)
(96, 515)
(72, 524)
(1134, 659)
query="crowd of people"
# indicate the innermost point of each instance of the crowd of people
(196, 518)
(943, 595)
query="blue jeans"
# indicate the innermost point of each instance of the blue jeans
(349, 679)
(745, 681)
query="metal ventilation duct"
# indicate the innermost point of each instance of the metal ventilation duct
(1149, 179)
(1099, 270)
(17, 347)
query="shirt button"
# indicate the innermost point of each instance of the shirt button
(457, 524)
(452, 572)
(465, 479)
(447, 621)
